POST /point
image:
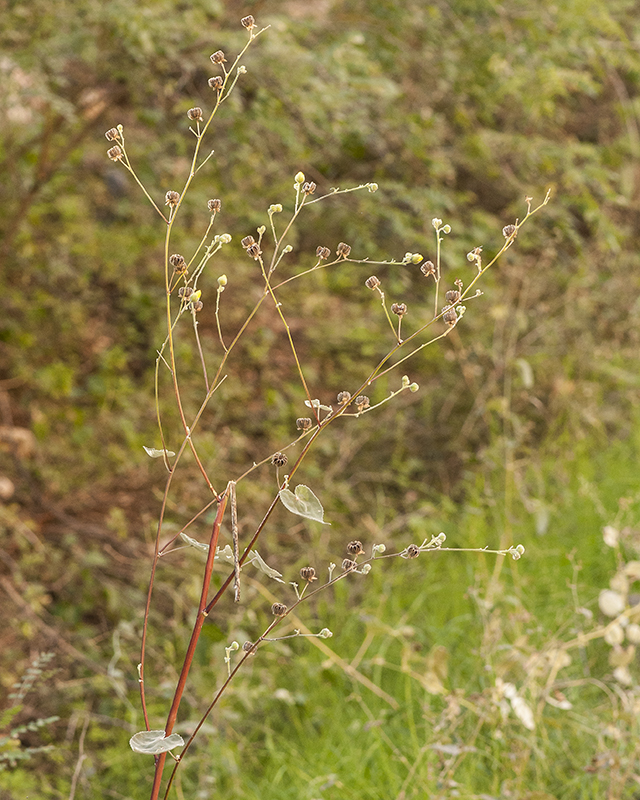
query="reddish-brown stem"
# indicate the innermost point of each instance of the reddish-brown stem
(191, 649)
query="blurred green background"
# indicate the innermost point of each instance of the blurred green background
(525, 428)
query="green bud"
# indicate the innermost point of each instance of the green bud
(436, 222)
(275, 208)
(325, 633)
(242, 70)
(261, 230)
(299, 177)
(414, 387)
(372, 187)
(446, 229)
(225, 238)
(405, 381)
(195, 296)
(287, 249)
(222, 281)
(416, 258)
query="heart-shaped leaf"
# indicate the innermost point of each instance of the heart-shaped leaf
(154, 742)
(304, 503)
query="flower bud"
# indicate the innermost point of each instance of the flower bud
(275, 208)
(299, 177)
(222, 281)
(372, 187)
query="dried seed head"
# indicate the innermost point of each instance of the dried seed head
(308, 187)
(172, 199)
(355, 548)
(185, 291)
(449, 316)
(399, 308)
(372, 282)
(217, 57)
(348, 565)
(112, 134)
(254, 251)
(248, 22)
(323, 253)
(509, 231)
(279, 459)
(177, 262)
(247, 241)
(197, 306)
(344, 398)
(452, 296)
(249, 647)
(304, 423)
(308, 574)
(216, 82)
(428, 268)
(362, 402)
(214, 205)
(195, 114)
(343, 250)
(413, 551)
(115, 153)
(278, 609)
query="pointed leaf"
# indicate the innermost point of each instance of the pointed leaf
(258, 561)
(194, 543)
(154, 742)
(154, 453)
(304, 503)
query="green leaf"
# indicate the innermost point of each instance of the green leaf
(304, 503)
(155, 453)
(154, 742)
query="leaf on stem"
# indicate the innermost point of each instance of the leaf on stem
(226, 554)
(304, 503)
(154, 453)
(155, 742)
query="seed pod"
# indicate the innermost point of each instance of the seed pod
(308, 574)
(247, 241)
(279, 609)
(355, 548)
(372, 282)
(197, 306)
(249, 647)
(428, 268)
(323, 253)
(214, 205)
(279, 459)
(217, 57)
(362, 402)
(308, 187)
(399, 308)
(452, 296)
(172, 199)
(185, 291)
(343, 250)
(509, 231)
(449, 316)
(344, 398)
(248, 22)
(254, 251)
(348, 565)
(304, 423)
(413, 551)
(178, 263)
(195, 114)
(115, 153)
(112, 134)
(216, 82)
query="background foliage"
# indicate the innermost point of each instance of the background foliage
(526, 426)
